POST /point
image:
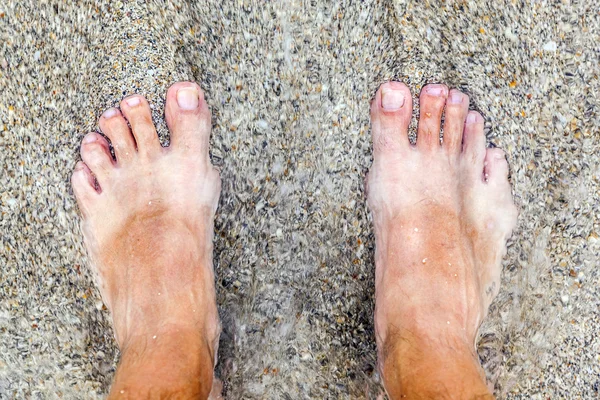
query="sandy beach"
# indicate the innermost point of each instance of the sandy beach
(289, 85)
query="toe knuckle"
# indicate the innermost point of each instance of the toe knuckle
(94, 150)
(96, 156)
(384, 140)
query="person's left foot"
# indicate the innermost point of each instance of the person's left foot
(148, 225)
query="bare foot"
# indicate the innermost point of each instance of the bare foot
(148, 227)
(442, 215)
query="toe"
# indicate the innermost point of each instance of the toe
(473, 149)
(391, 111)
(96, 155)
(114, 126)
(496, 176)
(84, 187)
(137, 111)
(496, 167)
(457, 108)
(431, 106)
(188, 118)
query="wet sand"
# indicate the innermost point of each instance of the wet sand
(289, 85)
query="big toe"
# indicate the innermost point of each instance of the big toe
(188, 118)
(391, 111)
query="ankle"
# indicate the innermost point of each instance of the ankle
(175, 361)
(431, 368)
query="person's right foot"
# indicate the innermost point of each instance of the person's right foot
(442, 215)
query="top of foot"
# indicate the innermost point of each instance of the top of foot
(443, 211)
(148, 215)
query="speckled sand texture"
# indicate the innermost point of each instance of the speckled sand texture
(289, 85)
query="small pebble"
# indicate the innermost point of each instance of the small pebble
(550, 46)
(262, 124)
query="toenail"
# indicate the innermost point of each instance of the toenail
(187, 98)
(90, 139)
(435, 90)
(392, 99)
(456, 97)
(133, 101)
(471, 118)
(111, 112)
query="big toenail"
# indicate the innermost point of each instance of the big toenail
(456, 97)
(471, 118)
(90, 139)
(435, 90)
(111, 112)
(187, 98)
(133, 101)
(391, 99)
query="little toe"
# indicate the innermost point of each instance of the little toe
(473, 148)
(137, 111)
(84, 187)
(391, 111)
(457, 108)
(496, 177)
(431, 106)
(188, 118)
(496, 167)
(114, 126)
(96, 155)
